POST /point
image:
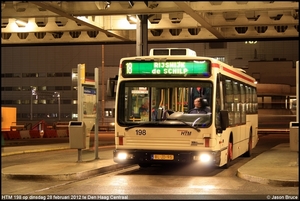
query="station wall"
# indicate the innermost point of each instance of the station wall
(39, 61)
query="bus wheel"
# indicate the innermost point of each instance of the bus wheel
(249, 151)
(229, 155)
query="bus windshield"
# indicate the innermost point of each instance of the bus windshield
(169, 102)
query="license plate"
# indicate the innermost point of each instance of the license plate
(163, 157)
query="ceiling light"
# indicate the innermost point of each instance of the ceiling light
(151, 5)
(107, 4)
(131, 4)
(21, 23)
(131, 19)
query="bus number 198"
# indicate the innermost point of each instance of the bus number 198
(140, 132)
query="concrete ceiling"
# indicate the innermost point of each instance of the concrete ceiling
(50, 22)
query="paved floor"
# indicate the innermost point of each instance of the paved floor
(277, 166)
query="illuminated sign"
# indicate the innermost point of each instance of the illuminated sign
(166, 68)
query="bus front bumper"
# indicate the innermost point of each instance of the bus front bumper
(163, 156)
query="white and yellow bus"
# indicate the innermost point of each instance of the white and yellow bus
(154, 96)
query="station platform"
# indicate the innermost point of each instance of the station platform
(277, 166)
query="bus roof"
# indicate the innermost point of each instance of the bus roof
(172, 52)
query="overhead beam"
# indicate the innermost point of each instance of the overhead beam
(87, 23)
(188, 10)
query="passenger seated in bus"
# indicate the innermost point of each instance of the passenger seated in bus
(145, 106)
(201, 106)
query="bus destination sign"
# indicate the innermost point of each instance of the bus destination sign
(166, 68)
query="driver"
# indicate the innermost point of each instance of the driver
(200, 106)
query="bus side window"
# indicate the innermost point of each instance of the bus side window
(218, 106)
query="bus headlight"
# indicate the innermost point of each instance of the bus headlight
(124, 156)
(203, 158)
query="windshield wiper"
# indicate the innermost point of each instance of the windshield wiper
(157, 122)
(191, 126)
(141, 124)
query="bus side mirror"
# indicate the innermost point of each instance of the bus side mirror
(224, 120)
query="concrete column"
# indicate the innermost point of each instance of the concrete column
(142, 35)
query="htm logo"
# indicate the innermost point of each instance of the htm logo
(6, 197)
(186, 133)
